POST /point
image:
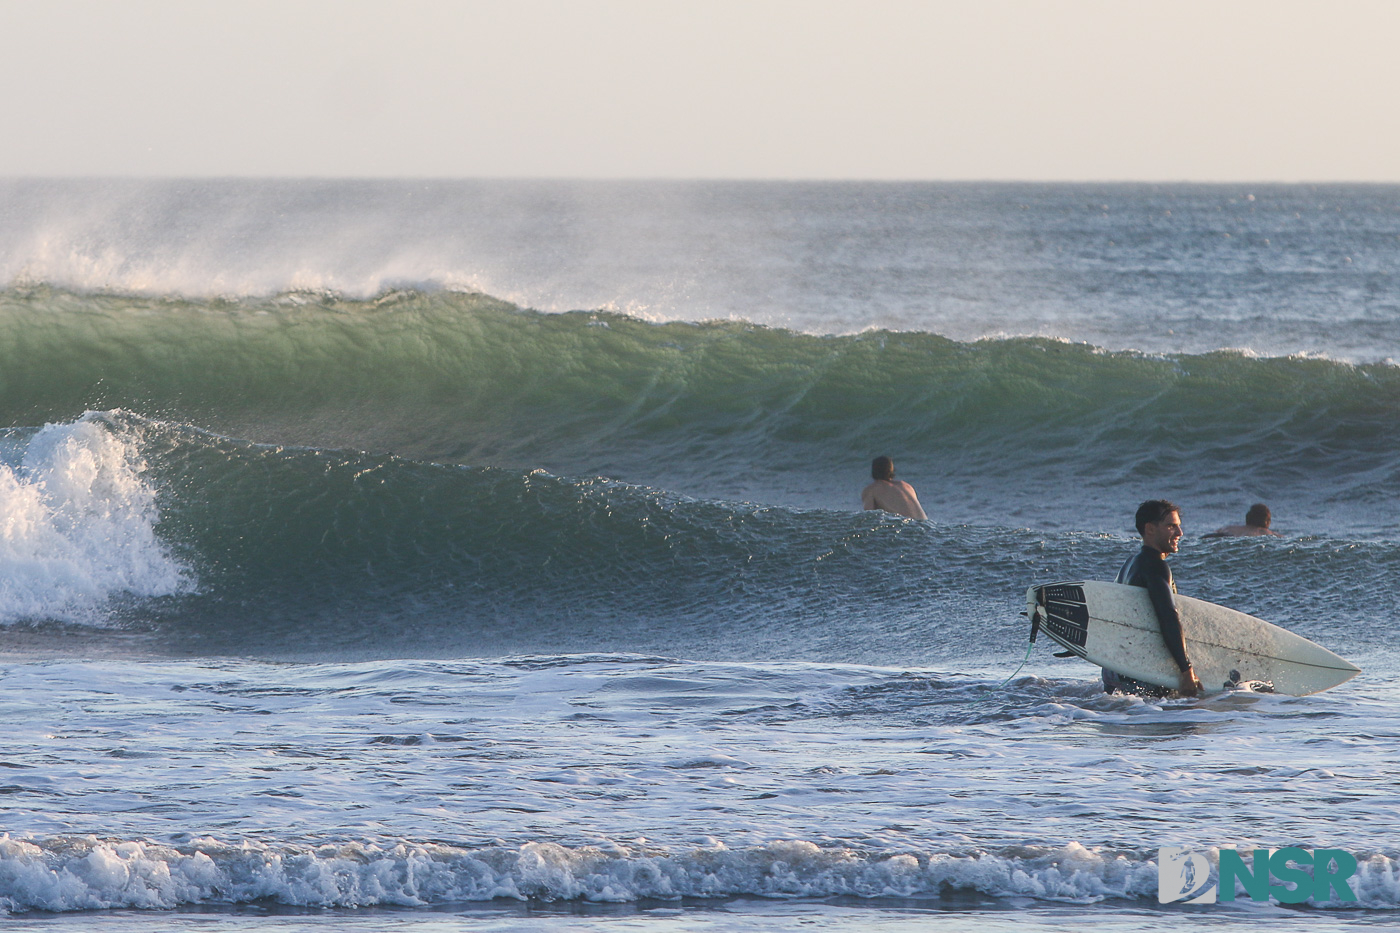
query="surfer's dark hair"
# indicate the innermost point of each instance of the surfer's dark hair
(1258, 516)
(1153, 511)
(882, 468)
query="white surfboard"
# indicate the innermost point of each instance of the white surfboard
(1115, 626)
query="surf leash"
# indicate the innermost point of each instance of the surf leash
(1029, 646)
(1035, 630)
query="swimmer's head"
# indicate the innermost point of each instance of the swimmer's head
(882, 468)
(1258, 516)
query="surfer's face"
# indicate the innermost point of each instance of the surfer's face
(1164, 535)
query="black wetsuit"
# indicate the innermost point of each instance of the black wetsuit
(1148, 569)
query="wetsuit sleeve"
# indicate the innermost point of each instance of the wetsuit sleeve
(1159, 587)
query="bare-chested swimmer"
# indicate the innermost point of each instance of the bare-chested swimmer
(1256, 522)
(888, 493)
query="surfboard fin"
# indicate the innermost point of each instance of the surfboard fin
(1038, 614)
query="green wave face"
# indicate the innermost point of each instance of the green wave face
(994, 429)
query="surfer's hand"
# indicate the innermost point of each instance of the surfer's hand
(1190, 686)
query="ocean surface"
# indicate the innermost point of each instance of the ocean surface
(488, 555)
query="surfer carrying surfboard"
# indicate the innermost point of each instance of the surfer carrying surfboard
(1159, 523)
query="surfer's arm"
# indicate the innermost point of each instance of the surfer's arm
(1168, 621)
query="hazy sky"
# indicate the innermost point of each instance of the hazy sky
(1258, 90)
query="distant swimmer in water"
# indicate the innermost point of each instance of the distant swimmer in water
(890, 494)
(1256, 522)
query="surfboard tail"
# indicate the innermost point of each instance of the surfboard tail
(1061, 611)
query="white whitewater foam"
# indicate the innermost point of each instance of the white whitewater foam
(78, 525)
(87, 873)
